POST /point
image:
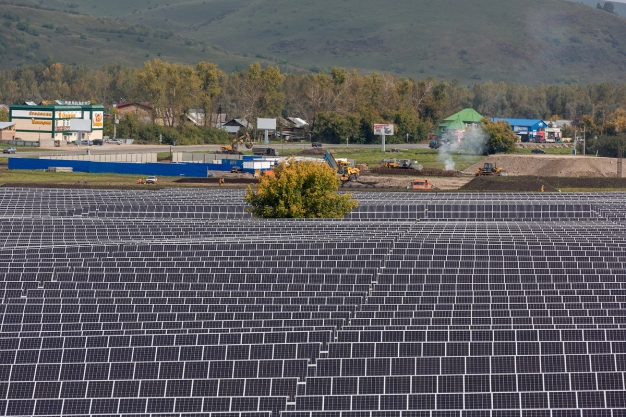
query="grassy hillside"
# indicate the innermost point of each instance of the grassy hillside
(530, 42)
(620, 8)
(28, 36)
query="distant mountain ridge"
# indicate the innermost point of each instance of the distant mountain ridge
(527, 42)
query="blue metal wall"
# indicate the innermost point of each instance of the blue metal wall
(168, 170)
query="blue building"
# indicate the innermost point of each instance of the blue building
(525, 129)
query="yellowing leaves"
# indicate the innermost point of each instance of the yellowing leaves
(299, 189)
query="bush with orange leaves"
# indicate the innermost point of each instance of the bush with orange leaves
(299, 189)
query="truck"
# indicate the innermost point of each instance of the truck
(420, 184)
(264, 151)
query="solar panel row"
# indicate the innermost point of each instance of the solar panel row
(142, 303)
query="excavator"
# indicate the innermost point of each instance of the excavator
(234, 145)
(344, 169)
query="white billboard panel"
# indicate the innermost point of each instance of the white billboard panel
(80, 125)
(32, 113)
(383, 129)
(266, 124)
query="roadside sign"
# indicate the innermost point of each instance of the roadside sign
(383, 129)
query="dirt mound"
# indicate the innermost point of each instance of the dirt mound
(515, 184)
(552, 165)
(525, 184)
(313, 152)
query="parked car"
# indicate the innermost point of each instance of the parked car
(151, 180)
(116, 141)
(236, 170)
(97, 142)
(9, 150)
(537, 150)
(316, 144)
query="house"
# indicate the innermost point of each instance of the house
(232, 126)
(469, 117)
(292, 127)
(456, 130)
(196, 116)
(143, 111)
(7, 130)
(525, 129)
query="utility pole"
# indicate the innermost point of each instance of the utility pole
(584, 142)
(407, 138)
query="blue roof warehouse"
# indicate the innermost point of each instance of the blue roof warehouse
(526, 129)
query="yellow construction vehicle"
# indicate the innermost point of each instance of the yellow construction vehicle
(400, 163)
(347, 171)
(344, 169)
(234, 145)
(490, 169)
(389, 163)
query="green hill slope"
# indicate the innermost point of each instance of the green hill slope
(620, 8)
(28, 36)
(530, 41)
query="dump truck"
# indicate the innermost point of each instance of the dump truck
(343, 168)
(420, 184)
(490, 169)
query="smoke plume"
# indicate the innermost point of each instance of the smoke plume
(474, 142)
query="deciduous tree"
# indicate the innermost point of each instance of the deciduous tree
(299, 189)
(500, 136)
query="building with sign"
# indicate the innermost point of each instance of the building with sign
(525, 129)
(49, 125)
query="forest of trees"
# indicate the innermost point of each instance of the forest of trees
(338, 105)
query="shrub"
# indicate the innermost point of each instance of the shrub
(299, 189)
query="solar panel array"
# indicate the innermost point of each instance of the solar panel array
(177, 303)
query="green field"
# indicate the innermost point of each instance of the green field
(70, 179)
(84, 40)
(549, 151)
(528, 42)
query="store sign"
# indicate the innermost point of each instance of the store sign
(42, 122)
(62, 128)
(68, 115)
(97, 120)
(32, 113)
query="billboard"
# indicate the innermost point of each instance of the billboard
(266, 124)
(97, 121)
(383, 129)
(80, 125)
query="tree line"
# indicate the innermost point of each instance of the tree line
(339, 105)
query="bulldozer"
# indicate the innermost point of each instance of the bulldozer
(232, 149)
(490, 169)
(344, 169)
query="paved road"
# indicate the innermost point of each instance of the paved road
(117, 149)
